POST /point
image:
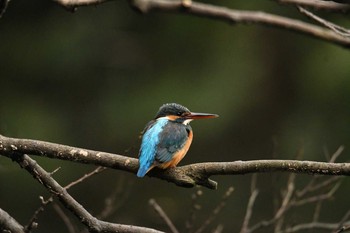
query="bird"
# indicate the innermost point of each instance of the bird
(167, 138)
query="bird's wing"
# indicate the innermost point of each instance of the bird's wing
(173, 138)
(150, 140)
(147, 127)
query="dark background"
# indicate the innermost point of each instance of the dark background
(94, 78)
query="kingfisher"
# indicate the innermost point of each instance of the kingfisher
(167, 138)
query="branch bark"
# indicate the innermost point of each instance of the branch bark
(185, 176)
(231, 15)
(92, 223)
(319, 5)
(9, 224)
(240, 16)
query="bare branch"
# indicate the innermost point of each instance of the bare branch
(310, 226)
(342, 226)
(319, 5)
(218, 229)
(316, 198)
(336, 28)
(185, 176)
(9, 224)
(84, 177)
(337, 153)
(240, 16)
(311, 186)
(235, 16)
(33, 220)
(32, 224)
(343, 229)
(287, 196)
(64, 217)
(92, 223)
(116, 198)
(3, 6)
(281, 211)
(249, 211)
(216, 211)
(72, 5)
(163, 215)
(194, 208)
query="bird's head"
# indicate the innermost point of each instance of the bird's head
(181, 114)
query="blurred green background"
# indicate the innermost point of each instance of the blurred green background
(94, 78)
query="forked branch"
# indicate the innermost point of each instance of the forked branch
(92, 223)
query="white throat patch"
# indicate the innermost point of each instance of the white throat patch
(186, 122)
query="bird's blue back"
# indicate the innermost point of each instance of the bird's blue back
(149, 144)
(161, 139)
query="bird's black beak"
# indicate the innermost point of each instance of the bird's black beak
(197, 115)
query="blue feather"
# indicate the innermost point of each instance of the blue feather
(149, 145)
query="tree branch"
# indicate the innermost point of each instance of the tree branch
(72, 5)
(240, 16)
(185, 176)
(230, 15)
(9, 224)
(319, 5)
(92, 223)
(3, 6)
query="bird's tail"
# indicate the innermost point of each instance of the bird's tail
(143, 170)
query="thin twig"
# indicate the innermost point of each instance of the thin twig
(216, 211)
(317, 197)
(343, 229)
(218, 229)
(317, 211)
(32, 224)
(249, 211)
(194, 208)
(336, 28)
(312, 186)
(92, 223)
(337, 153)
(163, 215)
(287, 197)
(64, 217)
(84, 177)
(116, 199)
(3, 6)
(285, 205)
(33, 220)
(319, 5)
(344, 224)
(309, 226)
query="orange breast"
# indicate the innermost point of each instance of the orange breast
(179, 155)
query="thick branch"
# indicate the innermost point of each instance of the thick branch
(185, 176)
(92, 223)
(9, 224)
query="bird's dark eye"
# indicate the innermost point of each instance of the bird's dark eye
(179, 113)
